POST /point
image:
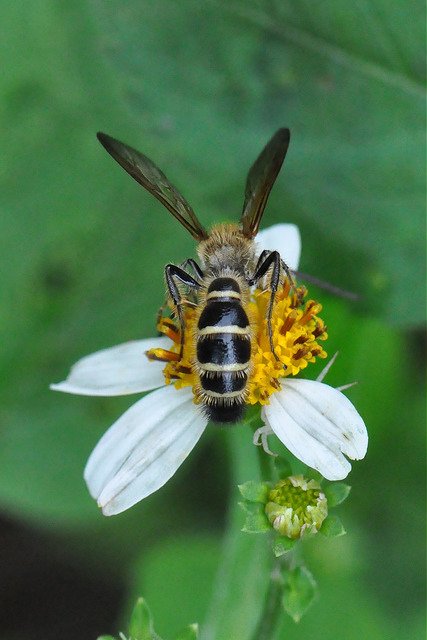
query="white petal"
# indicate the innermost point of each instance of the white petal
(284, 238)
(318, 424)
(144, 448)
(117, 371)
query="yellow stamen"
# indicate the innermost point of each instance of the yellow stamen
(162, 355)
(296, 327)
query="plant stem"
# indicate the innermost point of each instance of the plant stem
(246, 601)
(243, 578)
(272, 607)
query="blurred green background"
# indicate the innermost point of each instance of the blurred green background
(200, 87)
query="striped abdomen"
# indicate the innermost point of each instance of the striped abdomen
(223, 351)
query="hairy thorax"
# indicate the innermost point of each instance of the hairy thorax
(227, 248)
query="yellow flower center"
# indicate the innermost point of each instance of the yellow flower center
(296, 329)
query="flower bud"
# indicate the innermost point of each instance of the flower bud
(296, 506)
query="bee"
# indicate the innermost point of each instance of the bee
(221, 285)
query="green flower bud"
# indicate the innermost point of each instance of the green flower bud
(296, 506)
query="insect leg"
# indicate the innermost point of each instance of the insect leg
(273, 259)
(261, 258)
(172, 273)
(197, 270)
(189, 262)
(161, 309)
(289, 273)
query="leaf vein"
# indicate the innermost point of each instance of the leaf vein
(335, 53)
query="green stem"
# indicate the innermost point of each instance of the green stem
(272, 607)
(246, 600)
(243, 577)
(273, 602)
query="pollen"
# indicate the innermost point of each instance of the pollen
(177, 371)
(297, 334)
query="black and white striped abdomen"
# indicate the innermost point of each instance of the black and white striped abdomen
(223, 351)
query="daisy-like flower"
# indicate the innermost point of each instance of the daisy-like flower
(142, 450)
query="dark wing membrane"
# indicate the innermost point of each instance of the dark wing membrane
(260, 180)
(151, 178)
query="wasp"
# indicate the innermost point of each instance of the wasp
(220, 286)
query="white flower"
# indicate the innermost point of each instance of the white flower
(318, 424)
(142, 450)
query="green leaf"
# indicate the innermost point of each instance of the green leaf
(311, 59)
(299, 591)
(141, 622)
(256, 521)
(106, 638)
(332, 527)
(189, 633)
(46, 279)
(63, 277)
(347, 80)
(336, 493)
(283, 545)
(254, 491)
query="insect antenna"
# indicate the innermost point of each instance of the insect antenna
(327, 286)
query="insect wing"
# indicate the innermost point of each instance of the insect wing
(260, 180)
(147, 174)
